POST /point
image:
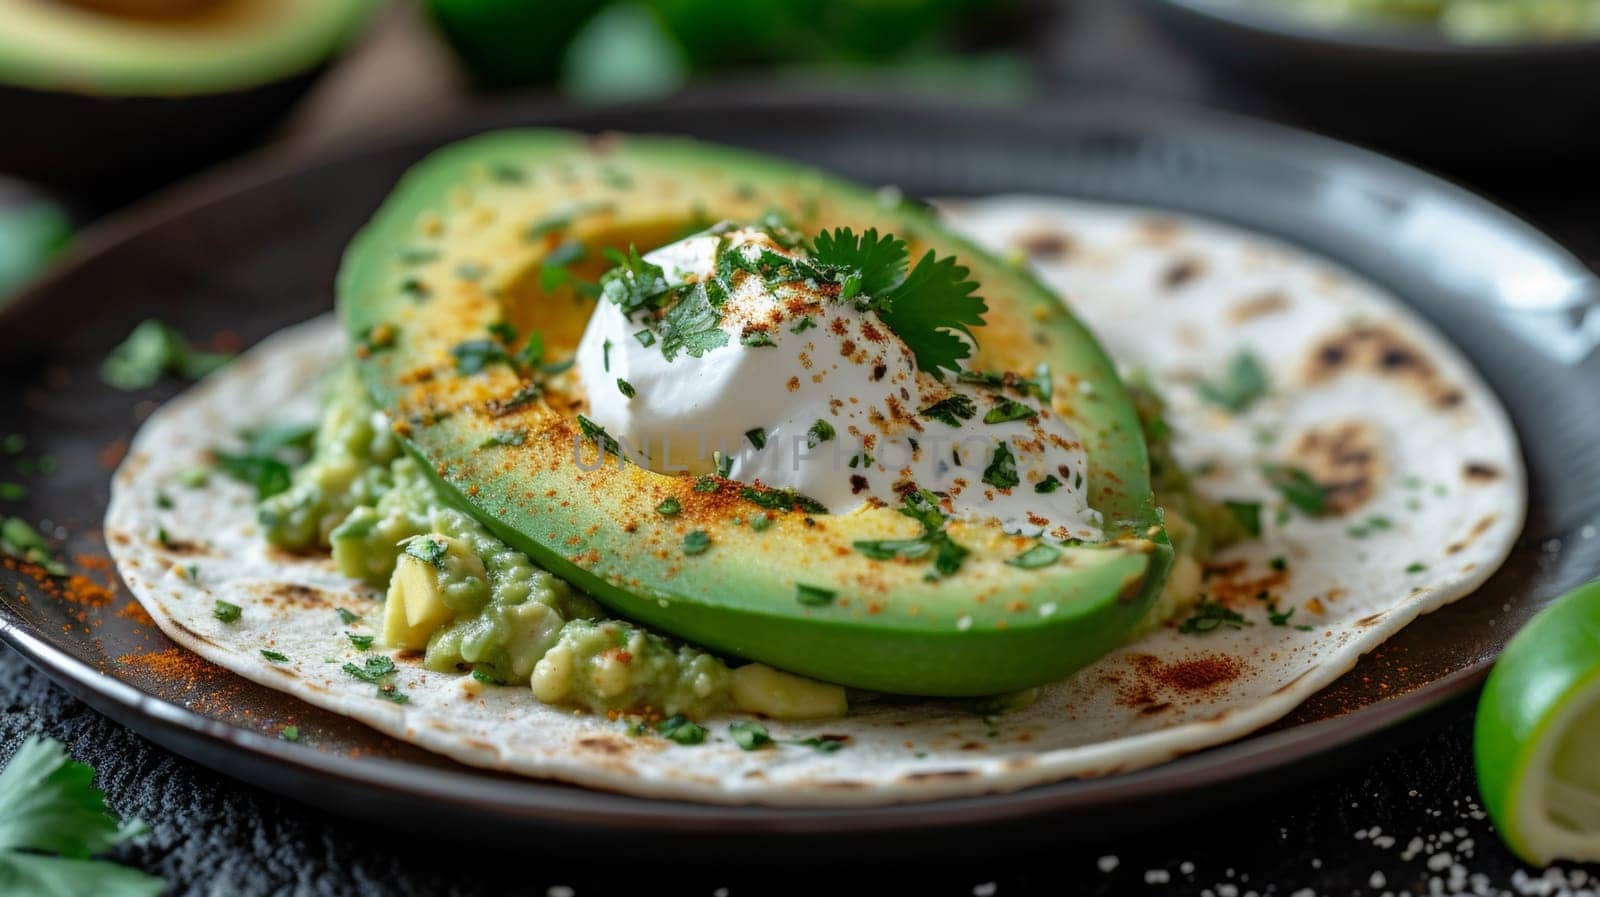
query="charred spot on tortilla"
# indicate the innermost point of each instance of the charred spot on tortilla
(1045, 244)
(1480, 472)
(1269, 303)
(1381, 351)
(1182, 272)
(1347, 459)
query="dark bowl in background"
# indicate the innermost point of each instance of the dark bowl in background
(1410, 90)
(121, 146)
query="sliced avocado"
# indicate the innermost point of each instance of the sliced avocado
(462, 244)
(164, 48)
(172, 85)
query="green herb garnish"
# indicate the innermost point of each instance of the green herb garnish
(626, 388)
(362, 642)
(669, 507)
(152, 349)
(1247, 514)
(372, 670)
(1209, 616)
(226, 612)
(274, 656)
(267, 474)
(696, 542)
(474, 355)
(680, 729)
(757, 437)
(1239, 387)
(1007, 410)
(1002, 470)
(820, 432)
(427, 549)
(749, 735)
(952, 410)
(1297, 488)
(1047, 485)
(347, 618)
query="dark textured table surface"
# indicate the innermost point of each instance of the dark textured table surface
(1401, 816)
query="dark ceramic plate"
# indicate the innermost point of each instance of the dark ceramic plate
(1405, 88)
(246, 252)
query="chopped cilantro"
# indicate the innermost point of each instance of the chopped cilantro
(152, 349)
(634, 283)
(707, 483)
(474, 355)
(531, 354)
(289, 733)
(820, 432)
(427, 549)
(598, 435)
(1277, 617)
(274, 656)
(827, 744)
(483, 674)
(392, 694)
(1416, 567)
(362, 642)
(646, 337)
(226, 612)
(761, 523)
(503, 331)
(814, 596)
(1248, 515)
(669, 507)
(691, 324)
(348, 618)
(696, 542)
(267, 474)
(1297, 488)
(1002, 470)
(756, 339)
(1209, 616)
(749, 735)
(1007, 410)
(626, 388)
(372, 670)
(680, 729)
(1239, 387)
(1047, 485)
(562, 220)
(781, 500)
(801, 326)
(557, 367)
(1279, 563)
(952, 410)
(757, 437)
(1038, 556)
(505, 437)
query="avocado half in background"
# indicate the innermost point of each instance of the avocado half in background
(121, 94)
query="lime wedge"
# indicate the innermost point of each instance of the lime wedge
(1537, 741)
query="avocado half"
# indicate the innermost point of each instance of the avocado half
(459, 246)
(118, 94)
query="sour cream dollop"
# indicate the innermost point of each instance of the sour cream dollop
(814, 394)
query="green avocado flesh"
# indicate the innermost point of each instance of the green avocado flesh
(500, 231)
(153, 48)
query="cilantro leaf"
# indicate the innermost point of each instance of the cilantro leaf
(952, 410)
(931, 312)
(48, 803)
(1002, 470)
(269, 475)
(23, 542)
(374, 670)
(1297, 487)
(681, 730)
(634, 283)
(866, 264)
(1239, 387)
(48, 876)
(749, 735)
(1210, 616)
(690, 325)
(474, 355)
(154, 348)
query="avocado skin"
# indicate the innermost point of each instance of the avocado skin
(991, 628)
(63, 139)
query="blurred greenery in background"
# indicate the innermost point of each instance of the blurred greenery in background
(32, 231)
(605, 51)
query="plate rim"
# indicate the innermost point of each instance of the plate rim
(529, 800)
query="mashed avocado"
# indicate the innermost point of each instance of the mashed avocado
(474, 603)
(1468, 20)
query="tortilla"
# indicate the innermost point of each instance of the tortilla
(1428, 493)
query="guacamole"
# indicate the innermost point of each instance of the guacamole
(481, 605)
(1475, 21)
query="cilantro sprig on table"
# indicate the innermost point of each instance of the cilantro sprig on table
(52, 819)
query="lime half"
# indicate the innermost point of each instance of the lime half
(1537, 741)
